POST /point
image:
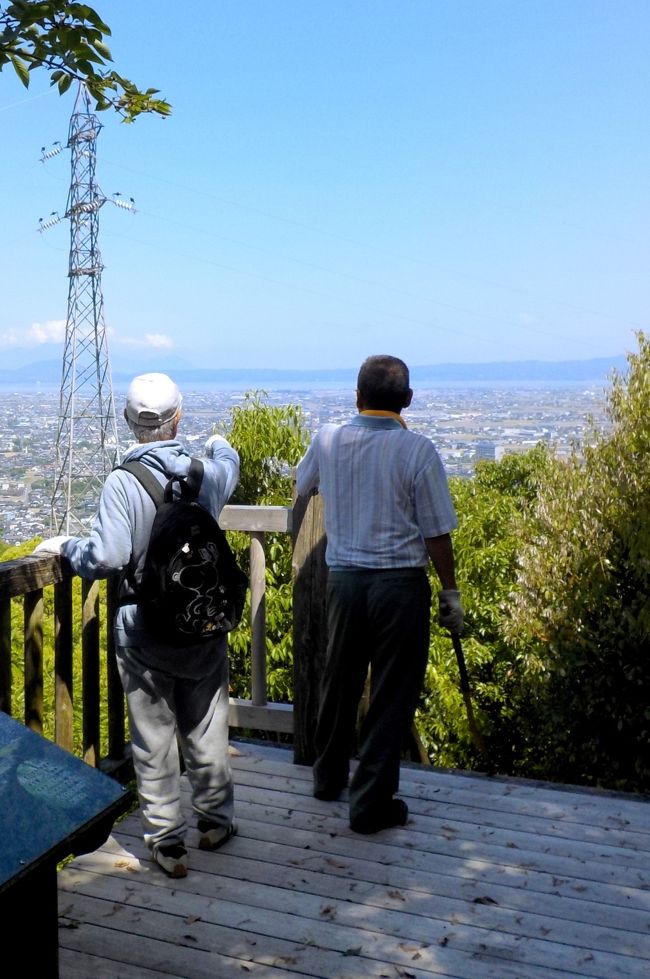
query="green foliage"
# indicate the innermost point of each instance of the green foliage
(68, 40)
(270, 440)
(553, 563)
(583, 600)
(491, 509)
(17, 654)
(11, 552)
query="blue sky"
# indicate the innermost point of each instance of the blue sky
(444, 180)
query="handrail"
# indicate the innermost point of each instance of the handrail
(257, 521)
(258, 713)
(28, 577)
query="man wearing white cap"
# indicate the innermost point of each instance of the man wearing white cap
(172, 695)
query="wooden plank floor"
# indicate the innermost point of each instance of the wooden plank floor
(490, 878)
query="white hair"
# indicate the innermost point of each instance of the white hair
(160, 433)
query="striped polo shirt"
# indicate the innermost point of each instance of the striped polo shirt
(384, 490)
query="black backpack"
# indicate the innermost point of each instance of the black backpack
(191, 588)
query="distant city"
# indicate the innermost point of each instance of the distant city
(467, 423)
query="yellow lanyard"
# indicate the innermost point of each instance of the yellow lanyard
(376, 412)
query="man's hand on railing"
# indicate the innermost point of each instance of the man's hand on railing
(52, 545)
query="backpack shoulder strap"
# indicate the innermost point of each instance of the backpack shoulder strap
(148, 481)
(188, 485)
(146, 478)
(194, 477)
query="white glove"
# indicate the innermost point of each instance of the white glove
(51, 545)
(211, 442)
(450, 610)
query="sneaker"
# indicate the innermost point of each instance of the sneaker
(214, 835)
(172, 859)
(395, 813)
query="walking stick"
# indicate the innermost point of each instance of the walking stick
(477, 737)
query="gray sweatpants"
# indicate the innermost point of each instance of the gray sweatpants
(171, 701)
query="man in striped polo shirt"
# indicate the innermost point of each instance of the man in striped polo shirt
(388, 512)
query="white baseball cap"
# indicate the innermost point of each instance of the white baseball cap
(152, 400)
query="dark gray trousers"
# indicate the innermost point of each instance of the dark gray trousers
(378, 619)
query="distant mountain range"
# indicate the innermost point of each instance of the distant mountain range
(598, 369)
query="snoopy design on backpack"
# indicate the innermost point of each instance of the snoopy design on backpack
(198, 575)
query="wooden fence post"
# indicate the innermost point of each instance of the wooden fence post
(309, 621)
(90, 668)
(258, 618)
(33, 630)
(63, 670)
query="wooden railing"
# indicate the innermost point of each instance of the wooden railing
(27, 578)
(258, 713)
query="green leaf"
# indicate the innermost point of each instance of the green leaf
(103, 50)
(64, 83)
(21, 69)
(70, 37)
(93, 18)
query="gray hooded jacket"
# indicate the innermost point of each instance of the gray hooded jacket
(126, 511)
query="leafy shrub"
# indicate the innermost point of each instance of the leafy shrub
(553, 562)
(270, 440)
(491, 508)
(583, 600)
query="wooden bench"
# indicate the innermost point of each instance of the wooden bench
(53, 805)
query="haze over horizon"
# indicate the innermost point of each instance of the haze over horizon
(451, 182)
(495, 374)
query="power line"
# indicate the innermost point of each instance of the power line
(515, 290)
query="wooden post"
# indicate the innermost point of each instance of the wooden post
(258, 618)
(309, 621)
(63, 693)
(90, 667)
(33, 619)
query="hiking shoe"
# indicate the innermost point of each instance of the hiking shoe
(395, 813)
(172, 859)
(214, 835)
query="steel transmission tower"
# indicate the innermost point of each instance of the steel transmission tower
(86, 441)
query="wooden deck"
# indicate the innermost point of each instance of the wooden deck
(490, 878)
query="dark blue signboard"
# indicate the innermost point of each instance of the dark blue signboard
(52, 804)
